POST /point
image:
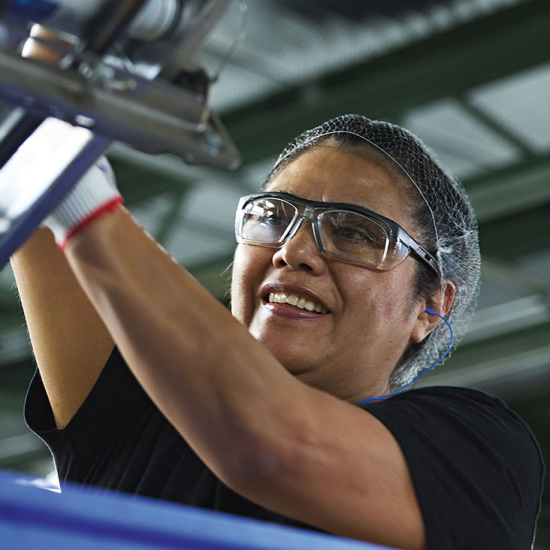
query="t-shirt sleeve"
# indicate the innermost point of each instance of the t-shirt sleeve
(113, 408)
(476, 467)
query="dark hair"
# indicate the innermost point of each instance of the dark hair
(438, 209)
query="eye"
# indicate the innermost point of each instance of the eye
(266, 220)
(272, 218)
(350, 232)
(354, 232)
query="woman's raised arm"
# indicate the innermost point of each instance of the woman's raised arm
(69, 340)
(271, 438)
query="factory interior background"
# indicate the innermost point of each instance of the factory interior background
(470, 77)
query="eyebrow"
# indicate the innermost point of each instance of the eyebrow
(291, 194)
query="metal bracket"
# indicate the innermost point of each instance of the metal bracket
(102, 91)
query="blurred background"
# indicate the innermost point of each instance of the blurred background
(470, 77)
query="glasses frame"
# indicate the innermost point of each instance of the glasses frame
(403, 244)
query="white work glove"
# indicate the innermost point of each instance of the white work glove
(95, 194)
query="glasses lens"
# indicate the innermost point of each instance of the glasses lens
(354, 237)
(265, 220)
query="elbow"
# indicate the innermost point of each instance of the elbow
(253, 469)
(263, 468)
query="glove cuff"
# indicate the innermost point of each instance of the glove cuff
(94, 195)
(109, 206)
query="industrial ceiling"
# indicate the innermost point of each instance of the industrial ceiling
(470, 77)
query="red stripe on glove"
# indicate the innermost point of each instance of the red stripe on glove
(110, 206)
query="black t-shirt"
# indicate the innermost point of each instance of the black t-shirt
(475, 465)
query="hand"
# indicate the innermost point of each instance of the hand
(94, 195)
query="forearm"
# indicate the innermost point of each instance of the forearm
(69, 340)
(212, 380)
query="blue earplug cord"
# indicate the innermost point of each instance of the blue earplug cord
(429, 312)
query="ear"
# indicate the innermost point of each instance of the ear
(440, 302)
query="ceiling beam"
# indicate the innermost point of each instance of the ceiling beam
(508, 318)
(511, 190)
(515, 237)
(491, 122)
(447, 64)
(510, 361)
(520, 372)
(511, 275)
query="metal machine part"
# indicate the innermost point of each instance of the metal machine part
(119, 70)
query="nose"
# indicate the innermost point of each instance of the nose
(301, 252)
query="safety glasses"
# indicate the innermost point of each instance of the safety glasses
(342, 231)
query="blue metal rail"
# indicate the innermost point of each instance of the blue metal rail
(33, 518)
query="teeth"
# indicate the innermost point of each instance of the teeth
(292, 300)
(297, 301)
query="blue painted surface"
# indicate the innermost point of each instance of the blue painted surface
(33, 518)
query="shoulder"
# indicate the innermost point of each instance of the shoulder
(441, 404)
(459, 414)
(474, 462)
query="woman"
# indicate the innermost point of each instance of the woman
(346, 263)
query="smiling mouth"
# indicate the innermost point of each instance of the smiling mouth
(296, 301)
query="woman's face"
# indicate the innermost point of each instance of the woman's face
(350, 350)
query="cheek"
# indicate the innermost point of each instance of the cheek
(397, 302)
(249, 264)
(238, 285)
(381, 300)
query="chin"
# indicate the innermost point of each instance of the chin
(292, 360)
